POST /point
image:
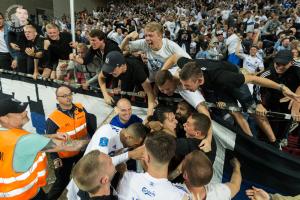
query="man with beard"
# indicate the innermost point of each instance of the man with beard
(183, 111)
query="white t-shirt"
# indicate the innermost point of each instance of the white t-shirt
(252, 63)
(157, 59)
(142, 186)
(193, 98)
(232, 42)
(107, 140)
(214, 191)
(3, 46)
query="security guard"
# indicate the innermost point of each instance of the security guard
(71, 120)
(23, 170)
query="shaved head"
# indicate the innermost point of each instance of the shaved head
(124, 110)
(123, 102)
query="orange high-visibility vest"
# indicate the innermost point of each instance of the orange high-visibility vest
(19, 185)
(74, 127)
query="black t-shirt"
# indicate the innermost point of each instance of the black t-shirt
(110, 197)
(59, 49)
(37, 44)
(218, 75)
(185, 146)
(271, 97)
(110, 45)
(134, 76)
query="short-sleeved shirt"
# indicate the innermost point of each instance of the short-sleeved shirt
(134, 76)
(220, 78)
(214, 191)
(143, 186)
(115, 121)
(107, 140)
(270, 97)
(59, 49)
(24, 156)
(252, 64)
(156, 59)
(185, 146)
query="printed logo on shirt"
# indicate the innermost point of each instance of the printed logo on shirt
(16, 17)
(148, 192)
(103, 142)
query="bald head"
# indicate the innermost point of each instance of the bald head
(124, 110)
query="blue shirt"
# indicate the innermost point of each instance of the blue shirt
(115, 121)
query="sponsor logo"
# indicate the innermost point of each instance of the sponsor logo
(148, 192)
(103, 142)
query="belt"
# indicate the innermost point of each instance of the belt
(4, 53)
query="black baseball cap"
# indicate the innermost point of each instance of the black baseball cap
(113, 59)
(11, 105)
(283, 57)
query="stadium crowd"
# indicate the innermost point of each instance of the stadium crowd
(191, 61)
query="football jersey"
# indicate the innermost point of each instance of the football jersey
(142, 186)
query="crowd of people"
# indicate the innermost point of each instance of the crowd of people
(178, 56)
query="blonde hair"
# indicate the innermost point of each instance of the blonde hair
(29, 26)
(154, 27)
(86, 171)
(51, 26)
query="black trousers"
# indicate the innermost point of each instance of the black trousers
(25, 64)
(5, 61)
(62, 177)
(41, 195)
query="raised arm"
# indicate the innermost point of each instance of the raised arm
(124, 45)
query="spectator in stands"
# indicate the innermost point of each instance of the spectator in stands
(93, 174)
(7, 57)
(100, 47)
(57, 48)
(183, 111)
(124, 117)
(287, 75)
(86, 75)
(226, 80)
(169, 85)
(197, 172)
(157, 48)
(160, 149)
(34, 47)
(16, 40)
(132, 74)
(231, 43)
(252, 64)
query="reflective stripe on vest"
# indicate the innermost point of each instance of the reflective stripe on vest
(80, 128)
(75, 127)
(25, 174)
(23, 189)
(19, 185)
